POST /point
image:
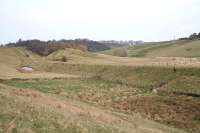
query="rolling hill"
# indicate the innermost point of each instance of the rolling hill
(94, 92)
(13, 59)
(180, 48)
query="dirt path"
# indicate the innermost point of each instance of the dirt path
(77, 109)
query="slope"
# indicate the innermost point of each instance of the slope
(179, 48)
(12, 59)
(24, 110)
(73, 56)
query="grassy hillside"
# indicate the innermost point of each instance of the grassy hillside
(73, 56)
(130, 90)
(179, 49)
(162, 49)
(92, 92)
(12, 59)
(70, 54)
(26, 111)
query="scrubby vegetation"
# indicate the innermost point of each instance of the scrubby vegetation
(64, 59)
(131, 90)
(74, 90)
(24, 111)
(46, 47)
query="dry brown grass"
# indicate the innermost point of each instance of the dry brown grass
(100, 59)
(14, 58)
(76, 112)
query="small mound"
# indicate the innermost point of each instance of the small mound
(70, 54)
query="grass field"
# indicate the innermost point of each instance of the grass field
(162, 49)
(92, 92)
(130, 90)
(26, 110)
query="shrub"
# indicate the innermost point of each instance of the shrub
(120, 52)
(188, 49)
(27, 55)
(64, 59)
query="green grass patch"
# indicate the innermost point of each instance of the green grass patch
(143, 79)
(56, 86)
(129, 89)
(22, 115)
(178, 48)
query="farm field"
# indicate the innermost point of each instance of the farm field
(94, 92)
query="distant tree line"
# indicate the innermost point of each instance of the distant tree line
(45, 48)
(193, 36)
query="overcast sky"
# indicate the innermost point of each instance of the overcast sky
(148, 20)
